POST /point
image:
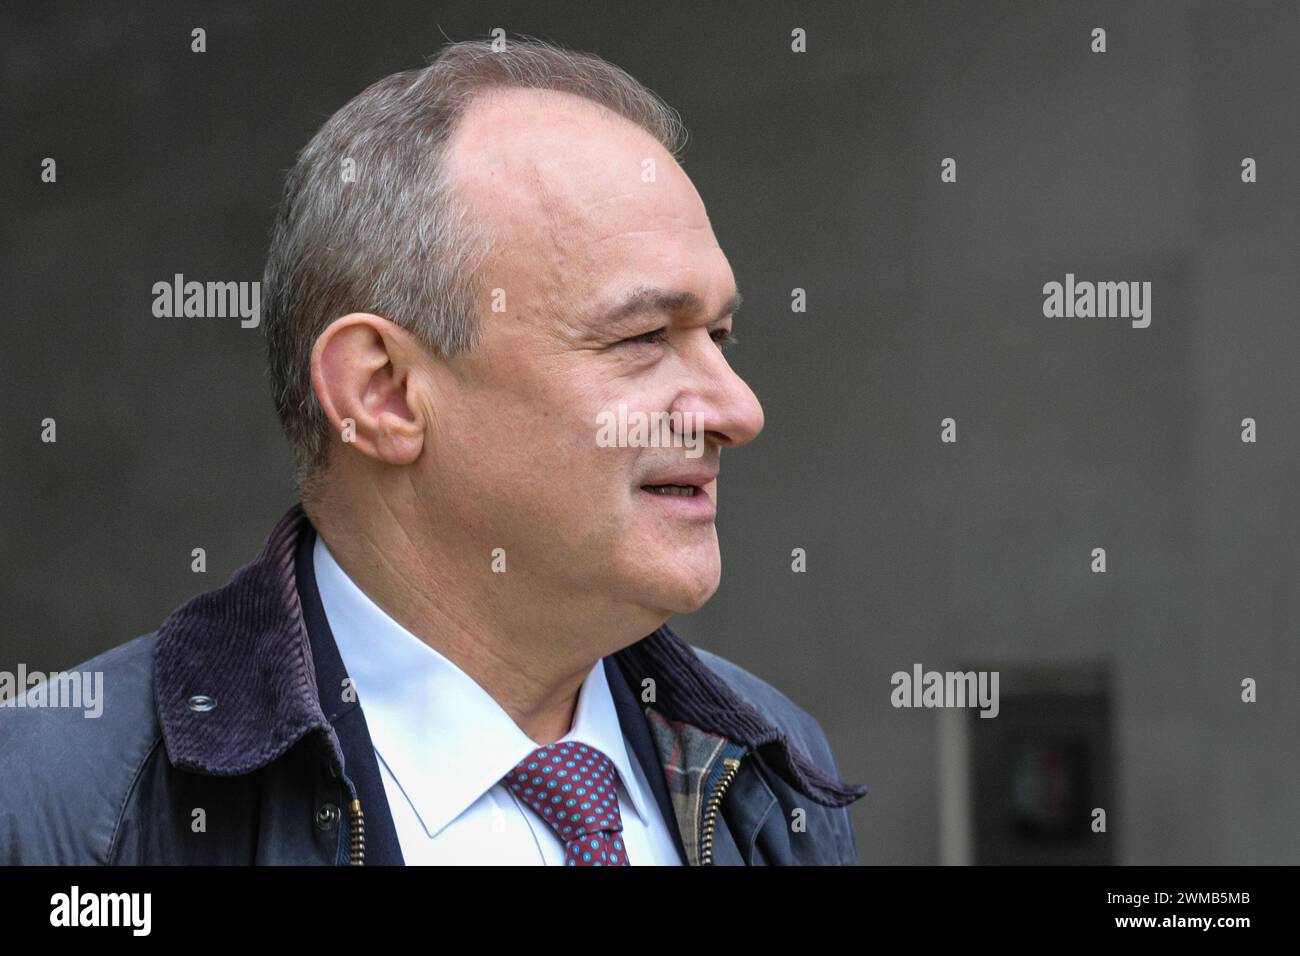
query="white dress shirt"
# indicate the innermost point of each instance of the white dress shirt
(443, 744)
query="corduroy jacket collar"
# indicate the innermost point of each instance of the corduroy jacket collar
(245, 647)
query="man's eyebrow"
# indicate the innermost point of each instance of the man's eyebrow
(653, 299)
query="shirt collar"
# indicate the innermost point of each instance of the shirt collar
(443, 737)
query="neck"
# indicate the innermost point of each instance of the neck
(530, 650)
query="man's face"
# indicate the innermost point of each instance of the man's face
(580, 226)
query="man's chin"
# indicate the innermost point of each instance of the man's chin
(685, 595)
(675, 577)
(692, 604)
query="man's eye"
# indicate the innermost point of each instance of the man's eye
(722, 337)
(658, 335)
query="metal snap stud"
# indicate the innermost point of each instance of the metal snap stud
(202, 702)
(327, 816)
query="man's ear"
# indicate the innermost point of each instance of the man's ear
(364, 370)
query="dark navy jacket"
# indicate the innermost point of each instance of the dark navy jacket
(227, 738)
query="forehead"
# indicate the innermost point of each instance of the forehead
(563, 184)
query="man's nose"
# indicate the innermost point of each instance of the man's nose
(726, 407)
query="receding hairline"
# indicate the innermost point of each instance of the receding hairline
(493, 94)
(498, 96)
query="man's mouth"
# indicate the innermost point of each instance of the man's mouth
(682, 493)
(687, 491)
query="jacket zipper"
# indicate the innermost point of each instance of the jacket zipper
(711, 810)
(357, 821)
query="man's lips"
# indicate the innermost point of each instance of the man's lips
(687, 492)
(681, 477)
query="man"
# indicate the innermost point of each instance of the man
(454, 650)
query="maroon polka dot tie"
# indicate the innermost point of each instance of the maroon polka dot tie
(571, 787)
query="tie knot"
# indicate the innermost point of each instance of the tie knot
(571, 786)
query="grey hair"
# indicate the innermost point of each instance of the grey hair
(395, 241)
